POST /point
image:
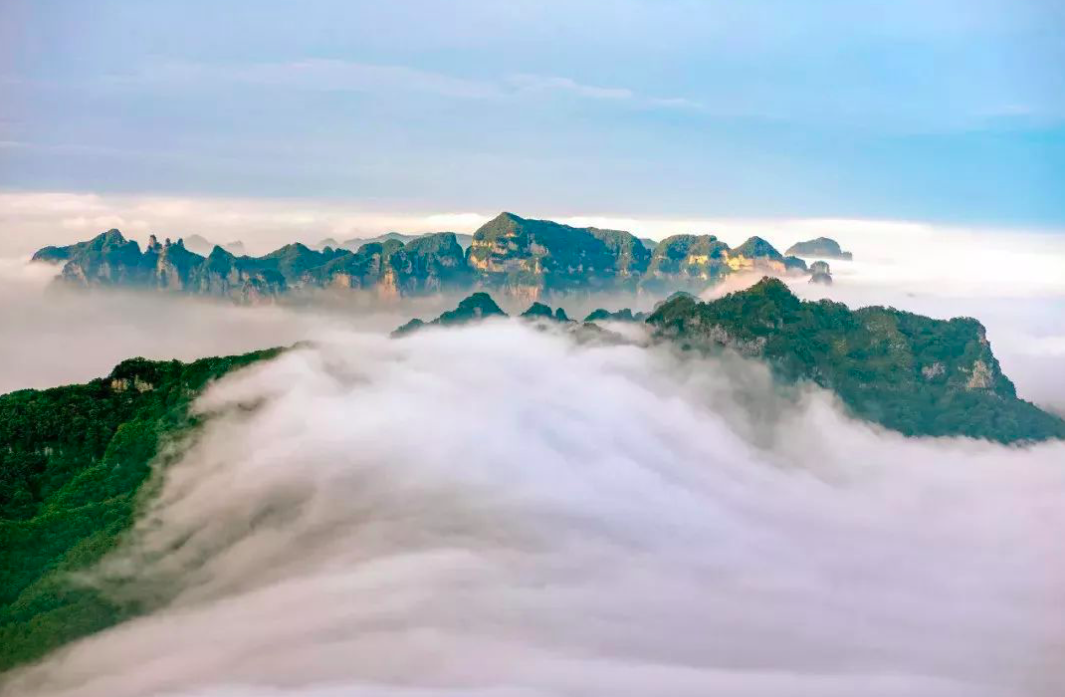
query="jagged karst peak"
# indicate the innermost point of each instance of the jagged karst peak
(219, 252)
(757, 247)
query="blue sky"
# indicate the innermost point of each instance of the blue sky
(948, 110)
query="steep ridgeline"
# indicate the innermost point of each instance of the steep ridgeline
(533, 259)
(72, 463)
(910, 373)
(517, 257)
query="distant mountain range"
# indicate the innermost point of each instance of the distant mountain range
(202, 246)
(517, 257)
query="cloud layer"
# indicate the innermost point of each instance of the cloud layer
(499, 511)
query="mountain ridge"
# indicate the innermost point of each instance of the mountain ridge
(522, 258)
(907, 372)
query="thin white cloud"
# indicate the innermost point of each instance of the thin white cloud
(352, 76)
(544, 84)
(549, 83)
(317, 74)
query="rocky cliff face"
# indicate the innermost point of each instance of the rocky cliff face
(238, 278)
(521, 258)
(436, 262)
(107, 260)
(532, 258)
(686, 262)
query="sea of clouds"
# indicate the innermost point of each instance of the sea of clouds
(502, 510)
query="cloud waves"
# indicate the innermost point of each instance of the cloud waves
(500, 511)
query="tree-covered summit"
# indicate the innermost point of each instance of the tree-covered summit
(73, 461)
(473, 308)
(910, 373)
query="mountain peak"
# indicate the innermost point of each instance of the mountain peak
(769, 286)
(472, 308)
(757, 247)
(825, 247)
(113, 236)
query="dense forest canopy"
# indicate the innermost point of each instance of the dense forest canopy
(72, 463)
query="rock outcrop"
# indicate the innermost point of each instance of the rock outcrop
(820, 273)
(822, 247)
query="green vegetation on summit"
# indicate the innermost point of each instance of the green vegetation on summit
(907, 372)
(540, 311)
(75, 460)
(910, 373)
(622, 315)
(73, 464)
(472, 309)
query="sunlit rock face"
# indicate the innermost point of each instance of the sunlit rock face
(531, 259)
(687, 261)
